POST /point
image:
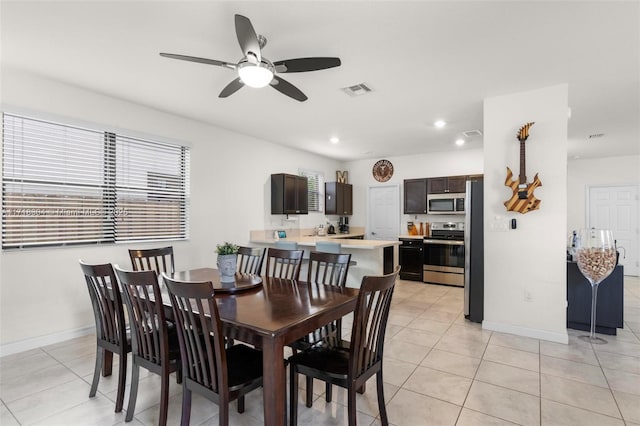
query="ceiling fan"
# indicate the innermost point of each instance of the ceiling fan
(254, 70)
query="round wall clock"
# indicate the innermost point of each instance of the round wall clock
(382, 170)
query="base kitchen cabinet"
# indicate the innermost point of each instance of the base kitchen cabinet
(411, 254)
(338, 198)
(289, 194)
(609, 306)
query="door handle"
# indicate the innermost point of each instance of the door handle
(373, 233)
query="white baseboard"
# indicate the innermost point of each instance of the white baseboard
(49, 339)
(527, 332)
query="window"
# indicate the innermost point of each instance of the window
(315, 189)
(64, 185)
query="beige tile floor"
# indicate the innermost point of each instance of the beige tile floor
(439, 370)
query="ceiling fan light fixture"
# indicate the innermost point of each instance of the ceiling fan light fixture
(255, 75)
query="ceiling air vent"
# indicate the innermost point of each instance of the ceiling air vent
(595, 136)
(471, 133)
(357, 90)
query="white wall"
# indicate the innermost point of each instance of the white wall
(592, 172)
(528, 262)
(435, 164)
(42, 291)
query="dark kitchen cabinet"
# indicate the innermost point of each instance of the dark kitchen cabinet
(415, 196)
(447, 184)
(411, 259)
(289, 194)
(338, 198)
(609, 306)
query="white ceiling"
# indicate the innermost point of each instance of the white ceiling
(423, 60)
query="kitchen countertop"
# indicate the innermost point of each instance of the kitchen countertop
(347, 243)
(416, 237)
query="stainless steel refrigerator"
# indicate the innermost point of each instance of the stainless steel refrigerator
(474, 252)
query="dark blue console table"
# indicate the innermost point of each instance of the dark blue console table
(609, 308)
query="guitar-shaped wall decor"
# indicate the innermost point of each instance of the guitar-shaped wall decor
(522, 200)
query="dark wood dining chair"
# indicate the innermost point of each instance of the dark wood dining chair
(219, 373)
(351, 364)
(326, 269)
(154, 346)
(111, 328)
(250, 260)
(156, 259)
(283, 263)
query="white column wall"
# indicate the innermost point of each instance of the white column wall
(43, 297)
(525, 268)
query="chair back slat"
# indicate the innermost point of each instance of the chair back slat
(143, 299)
(370, 321)
(250, 260)
(284, 263)
(157, 259)
(106, 299)
(198, 323)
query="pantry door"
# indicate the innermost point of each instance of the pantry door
(384, 213)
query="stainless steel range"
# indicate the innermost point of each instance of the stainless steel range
(444, 254)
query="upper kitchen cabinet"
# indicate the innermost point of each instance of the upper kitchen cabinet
(415, 196)
(443, 185)
(338, 198)
(289, 194)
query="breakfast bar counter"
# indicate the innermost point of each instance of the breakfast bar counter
(370, 257)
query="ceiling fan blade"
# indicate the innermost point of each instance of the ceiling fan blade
(306, 64)
(231, 88)
(248, 39)
(199, 60)
(286, 88)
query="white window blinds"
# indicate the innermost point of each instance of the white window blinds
(315, 189)
(65, 185)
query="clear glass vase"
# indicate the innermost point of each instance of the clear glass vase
(595, 253)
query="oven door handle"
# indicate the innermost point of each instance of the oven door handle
(445, 242)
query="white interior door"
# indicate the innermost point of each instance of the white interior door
(383, 213)
(616, 208)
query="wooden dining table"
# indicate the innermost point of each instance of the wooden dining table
(271, 313)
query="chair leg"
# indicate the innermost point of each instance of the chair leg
(351, 404)
(223, 413)
(186, 407)
(107, 364)
(309, 402)
(133, 392)
(240, 403)
(164, 398)
(122, 380)
(381, 404)
(293, 395)
(362, 389)
(328, 391)
(179, 375)
(96, 371)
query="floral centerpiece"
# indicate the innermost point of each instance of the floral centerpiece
(227, 261)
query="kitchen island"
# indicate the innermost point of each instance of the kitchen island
(370, 257)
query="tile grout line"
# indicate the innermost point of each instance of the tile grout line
(613, 395)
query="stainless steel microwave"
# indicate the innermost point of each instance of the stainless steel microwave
(451, 203)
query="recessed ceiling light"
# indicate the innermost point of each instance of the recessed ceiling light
(459, 142)
(334, 139)
(440, 124)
